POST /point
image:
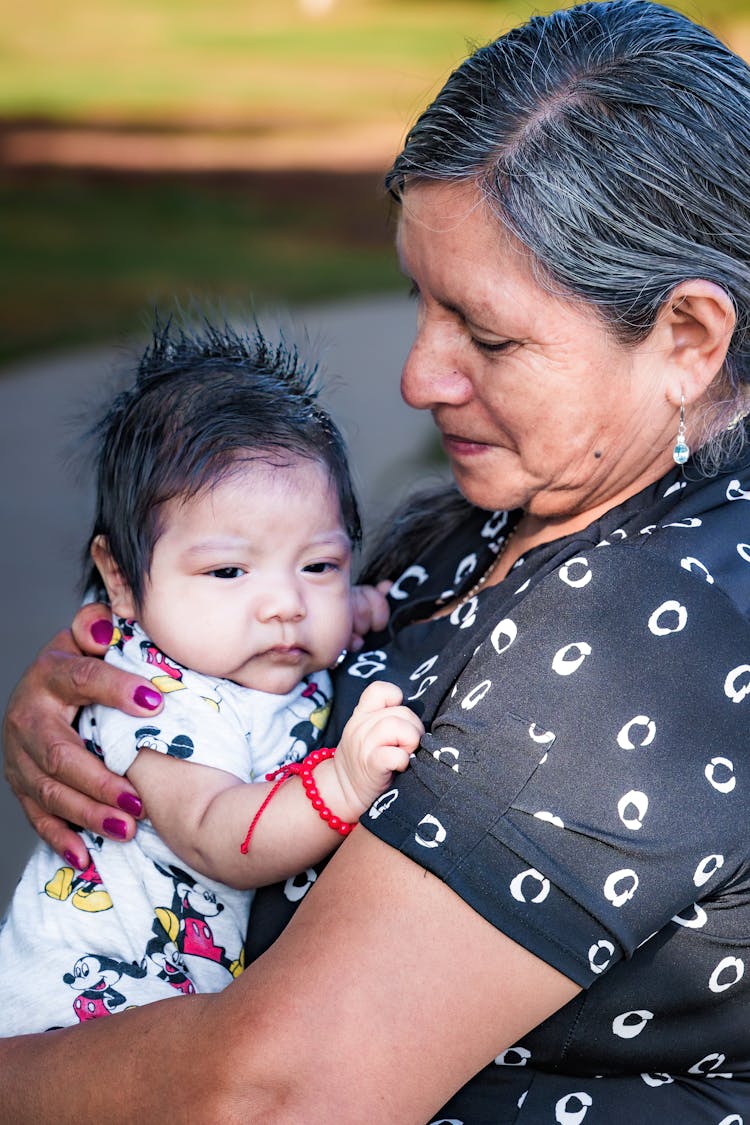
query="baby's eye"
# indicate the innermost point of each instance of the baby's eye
(321, 567)
(227, 572)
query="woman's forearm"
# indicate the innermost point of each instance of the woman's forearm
(160, 1060)
(325, 1026)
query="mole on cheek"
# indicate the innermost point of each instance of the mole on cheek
(597, 453)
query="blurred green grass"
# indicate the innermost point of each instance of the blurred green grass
(231, 60)
(84, 255)
(84, 258)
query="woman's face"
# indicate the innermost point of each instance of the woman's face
(537, 403)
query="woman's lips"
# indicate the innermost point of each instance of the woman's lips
(456, 446)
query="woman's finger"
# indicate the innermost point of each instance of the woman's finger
(74, 787)
(92, 628)
(73, 680)
(57, 833)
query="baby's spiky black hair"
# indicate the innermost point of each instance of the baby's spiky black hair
(203, 399)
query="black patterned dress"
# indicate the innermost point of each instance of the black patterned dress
(585, 786)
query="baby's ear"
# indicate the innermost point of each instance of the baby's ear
(118, 591)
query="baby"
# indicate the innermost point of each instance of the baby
(223, 537)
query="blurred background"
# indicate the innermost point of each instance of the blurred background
(231, 153)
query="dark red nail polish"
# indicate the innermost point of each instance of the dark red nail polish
(102, 631)
(146, 697)
(72, 860)
(114, 827)
(129, 803)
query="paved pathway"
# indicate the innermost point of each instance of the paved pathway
(45, 507)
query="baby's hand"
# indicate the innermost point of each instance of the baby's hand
(370, 611)
(378, 740)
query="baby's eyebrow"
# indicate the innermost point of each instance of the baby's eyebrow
(220, 543)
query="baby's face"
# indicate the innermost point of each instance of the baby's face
(250, 581)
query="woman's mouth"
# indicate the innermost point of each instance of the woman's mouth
(457, 446)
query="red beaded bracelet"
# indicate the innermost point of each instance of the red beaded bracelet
(304, 770)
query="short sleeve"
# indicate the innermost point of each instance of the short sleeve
(197, 723)
(584, 781)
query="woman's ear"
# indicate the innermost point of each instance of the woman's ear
(118, 591)
(700, 318)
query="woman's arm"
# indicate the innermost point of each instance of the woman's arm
(54, 777)
(384, 995)
(204, 814)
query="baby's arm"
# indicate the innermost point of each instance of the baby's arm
(203, 813)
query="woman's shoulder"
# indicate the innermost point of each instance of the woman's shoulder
(705, 532)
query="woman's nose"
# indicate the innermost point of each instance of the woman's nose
(431, 376)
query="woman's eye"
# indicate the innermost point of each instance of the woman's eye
(227, 572)
(492, 347)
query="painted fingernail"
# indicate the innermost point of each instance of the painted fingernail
(114, 827)
(72, 860)
(146, 697)
(102, 631)
(129, 803)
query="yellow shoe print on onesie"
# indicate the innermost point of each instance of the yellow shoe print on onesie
(60, 885)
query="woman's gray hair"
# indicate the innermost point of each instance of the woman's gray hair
(613, 140)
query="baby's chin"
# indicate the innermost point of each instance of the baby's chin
(274, 679)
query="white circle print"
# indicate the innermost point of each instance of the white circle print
(514, 1056)
(632, 808)
(720, 774)
(737, 683)
(629, 1024)
(476, 695)
(620, 886)
(432, 824)
(576, 573)
(569, 658)
(572, 1109)
(657, 1079)
(450, 752)
(669, 617)
(628, 737)
(503, 635)
(707, 867)
(297, 886)
(695, 566)
(600, 955)
(696, 920)
(537, 886)
(383, 802)
(415, 573)
(727, 973)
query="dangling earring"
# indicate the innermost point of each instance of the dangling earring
(681, 450)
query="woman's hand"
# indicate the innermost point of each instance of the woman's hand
(370, 612)
(53, 775)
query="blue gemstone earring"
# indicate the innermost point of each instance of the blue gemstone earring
(681, 450)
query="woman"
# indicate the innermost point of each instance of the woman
(556, 897)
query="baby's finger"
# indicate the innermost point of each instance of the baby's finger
(379, 695)
(393, 729)
(370, 610)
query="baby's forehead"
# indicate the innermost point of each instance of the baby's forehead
(268, 505)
